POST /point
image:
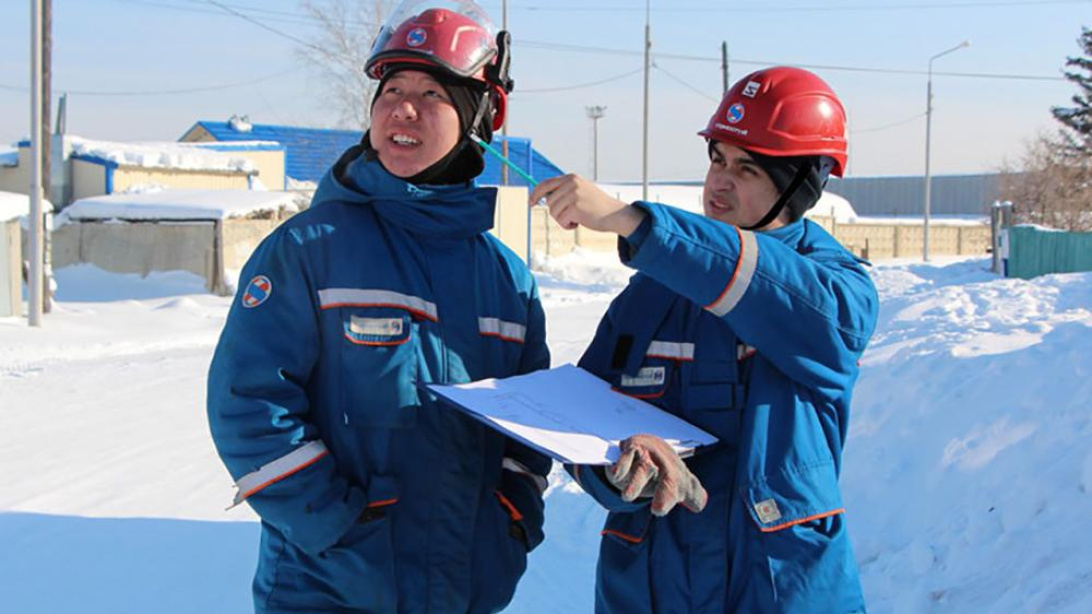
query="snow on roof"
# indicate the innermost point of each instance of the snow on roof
(14, 205)
(688, 197)
(9, 156)
(178, 205)
(187, 156)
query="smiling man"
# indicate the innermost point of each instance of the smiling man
(747, 322)
(373, 498)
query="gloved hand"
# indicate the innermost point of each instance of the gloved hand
(649, 467)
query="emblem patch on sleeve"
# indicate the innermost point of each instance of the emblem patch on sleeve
(257, 291)
(767, 511)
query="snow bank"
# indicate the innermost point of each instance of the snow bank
(184, 156)
(14, 205)
(177, 205)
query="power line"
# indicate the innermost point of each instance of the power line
(264, 26)
(171, 92)
(684, 83)
(872, 8)
(889, 126)
(832, 67)
(577, 86)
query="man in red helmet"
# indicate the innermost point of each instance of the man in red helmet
(747, 322)
(373, 498)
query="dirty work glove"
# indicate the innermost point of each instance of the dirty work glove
(649, 467)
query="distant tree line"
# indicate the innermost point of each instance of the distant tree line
(1052, 184)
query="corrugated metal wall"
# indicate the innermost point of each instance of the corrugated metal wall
(905, 196)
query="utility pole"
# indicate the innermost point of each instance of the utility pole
(648, 62)
(504, 127)
(34, 283)
(724, 66)
(928, 134)
(595, 113)
(47, 141)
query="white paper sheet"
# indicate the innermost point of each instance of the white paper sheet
(569, 414)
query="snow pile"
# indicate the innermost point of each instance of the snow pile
(967, 467)
(14, 205)
(241, 124)
(181, 156)
(177, 205)
(967, 475)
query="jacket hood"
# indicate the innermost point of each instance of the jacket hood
(438, 211)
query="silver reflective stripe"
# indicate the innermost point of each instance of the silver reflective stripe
(745, 351)
(279, 469)
(505, 330)
(741, 278)
(355, 297)
(512, 464)
(668, 349)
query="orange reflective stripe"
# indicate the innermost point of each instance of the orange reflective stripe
(802, 520)
(629, 538)
(383, 503)
(512, 511)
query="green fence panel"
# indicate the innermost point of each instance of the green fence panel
(1034, 252)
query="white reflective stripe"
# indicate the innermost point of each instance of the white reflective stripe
(279, 469)
(505, 330)
(512, 464)
(354, 297)
(741, 278)
(668, 349)
(745, 351)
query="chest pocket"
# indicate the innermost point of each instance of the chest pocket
(380, 349)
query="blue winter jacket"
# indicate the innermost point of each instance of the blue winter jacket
(373, 496)
(754, 337)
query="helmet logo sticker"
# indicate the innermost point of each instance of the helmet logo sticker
(735, 113)
(751, 89)
(416, 37)
(257, 291)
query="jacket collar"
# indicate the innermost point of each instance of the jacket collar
(436, 211)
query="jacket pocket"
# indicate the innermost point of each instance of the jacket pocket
(380, 349)
(802, 557)
(794, 496)
(650, 382)
(355, 574)
(500, 554)
(623, 579)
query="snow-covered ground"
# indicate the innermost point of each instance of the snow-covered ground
(967, 473)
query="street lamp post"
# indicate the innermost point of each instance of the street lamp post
(928, 135)
(595, 113)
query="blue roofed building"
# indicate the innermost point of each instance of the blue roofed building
(311, 151)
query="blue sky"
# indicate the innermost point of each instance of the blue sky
(156, 45)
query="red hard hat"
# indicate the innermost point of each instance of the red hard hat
(782, 111)
(456, 37)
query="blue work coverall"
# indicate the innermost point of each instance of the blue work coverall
(374, 497)
(754, 337)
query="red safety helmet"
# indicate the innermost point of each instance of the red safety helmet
(782, 111)
(453, 35)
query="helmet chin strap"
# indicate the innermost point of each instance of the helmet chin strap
(786, 196)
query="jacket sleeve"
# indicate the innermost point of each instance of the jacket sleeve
(525, 472)
(258, 407)
(810, 315)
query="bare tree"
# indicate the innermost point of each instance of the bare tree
(1050, 186)
(346, 31)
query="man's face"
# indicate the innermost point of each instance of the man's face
(737, 191)
(414, 123)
